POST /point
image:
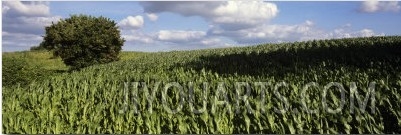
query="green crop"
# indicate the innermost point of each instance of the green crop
(130, 96)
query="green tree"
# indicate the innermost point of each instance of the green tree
(83, 40)
(38, 48)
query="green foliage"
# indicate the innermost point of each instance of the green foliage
(18, 71)
(24, 67)
(38, 48)
(83, 40)
(14, 72)
(90, 100)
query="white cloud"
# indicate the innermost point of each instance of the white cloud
(214, 42)
(344, 32)
(168, 40)
(22, 36)
(29, 25)
(299, 32)
(132, 22)
(4, 9)
(152, 17)
(20, 39)
(24, 23)
(40, 21)
(372, 6)
(135, 37)
(186, 8)
(179, 35)
(26, 17)
(248, 22)
(234, 14)
(18, 8)
(229, 15)
(366, 33)
(211, 41)
(265, 32)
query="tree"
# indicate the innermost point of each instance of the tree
(37, 48)
(83, 40)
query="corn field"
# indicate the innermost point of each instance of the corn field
(131, 97)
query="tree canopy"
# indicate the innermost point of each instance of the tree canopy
(83, 40)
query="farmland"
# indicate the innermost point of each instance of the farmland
(255, 89)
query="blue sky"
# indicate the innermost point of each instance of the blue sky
(165, 26)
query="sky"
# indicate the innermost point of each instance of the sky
(153, 26)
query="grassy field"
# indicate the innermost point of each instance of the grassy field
(326, 86)
(27, 66)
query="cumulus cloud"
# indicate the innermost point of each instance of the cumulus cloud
(372, 6)
(4, 9)
(248, 22)
(167, 40)
(152, 17)
(26, 17)
(189, 38)
(179, 35)
(31, 39)
(132, 22)
(186, 8)
(138, 37)
(299, 32)
(31, 25)
(341, 33)
(265, 32)
(230, 15)
(19, 41)
(212, 41)
(18, 8)
(24, 23)
(243, 14)
(367, 33)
